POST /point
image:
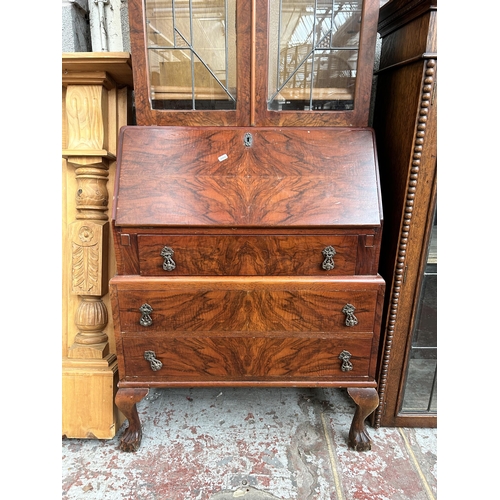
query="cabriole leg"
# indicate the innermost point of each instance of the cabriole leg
(126, 400)
(366, 400)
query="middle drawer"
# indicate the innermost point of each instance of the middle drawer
(243, 255)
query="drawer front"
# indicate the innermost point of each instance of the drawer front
(228, 255)
(247, 306)
(242, 358)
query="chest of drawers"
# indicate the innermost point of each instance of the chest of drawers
(246, 257)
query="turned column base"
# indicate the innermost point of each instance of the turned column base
(97, 351)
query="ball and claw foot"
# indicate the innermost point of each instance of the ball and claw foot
(360, 441)
(131, 439)
(366, 400)
(126, 400)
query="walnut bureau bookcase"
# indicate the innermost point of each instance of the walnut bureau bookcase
(247, 214)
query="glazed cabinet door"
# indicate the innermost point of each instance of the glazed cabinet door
(315, 60)
(187, 60)
(253, 62)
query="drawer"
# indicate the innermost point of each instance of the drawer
(240, 358)
(244, 255)
(248, 306)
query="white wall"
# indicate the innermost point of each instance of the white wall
(95, 26)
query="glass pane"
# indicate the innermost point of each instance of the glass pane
(313, 54)
(192, 53)
(421, 384)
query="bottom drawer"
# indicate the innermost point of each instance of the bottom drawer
(238, 358)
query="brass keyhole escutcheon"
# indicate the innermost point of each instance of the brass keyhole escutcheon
(248, 140)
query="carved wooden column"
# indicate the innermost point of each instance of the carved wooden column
(95, 106)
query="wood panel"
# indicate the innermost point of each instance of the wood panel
(239, 358)
(247, 255)
(235, 304)
(405, 121)
(208, 177)
(89, 411)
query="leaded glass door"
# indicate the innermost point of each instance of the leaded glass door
(253, 62)
(313, 54)
(185, 56)
(318, 59)
(191, 52)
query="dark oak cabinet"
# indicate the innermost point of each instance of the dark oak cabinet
(405, 122)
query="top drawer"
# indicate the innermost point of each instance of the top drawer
(261, 255)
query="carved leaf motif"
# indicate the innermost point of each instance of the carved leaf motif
(85, 267)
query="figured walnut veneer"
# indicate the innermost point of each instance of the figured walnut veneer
(221, 240)
(273, 255)
(288, 177)
(250, 305)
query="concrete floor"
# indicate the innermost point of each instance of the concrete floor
(266, 443)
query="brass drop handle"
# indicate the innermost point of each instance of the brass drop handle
(168, 263)
(345, 357)
(150, 356)
(350, 319)
(328, 254)
(146, 319)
